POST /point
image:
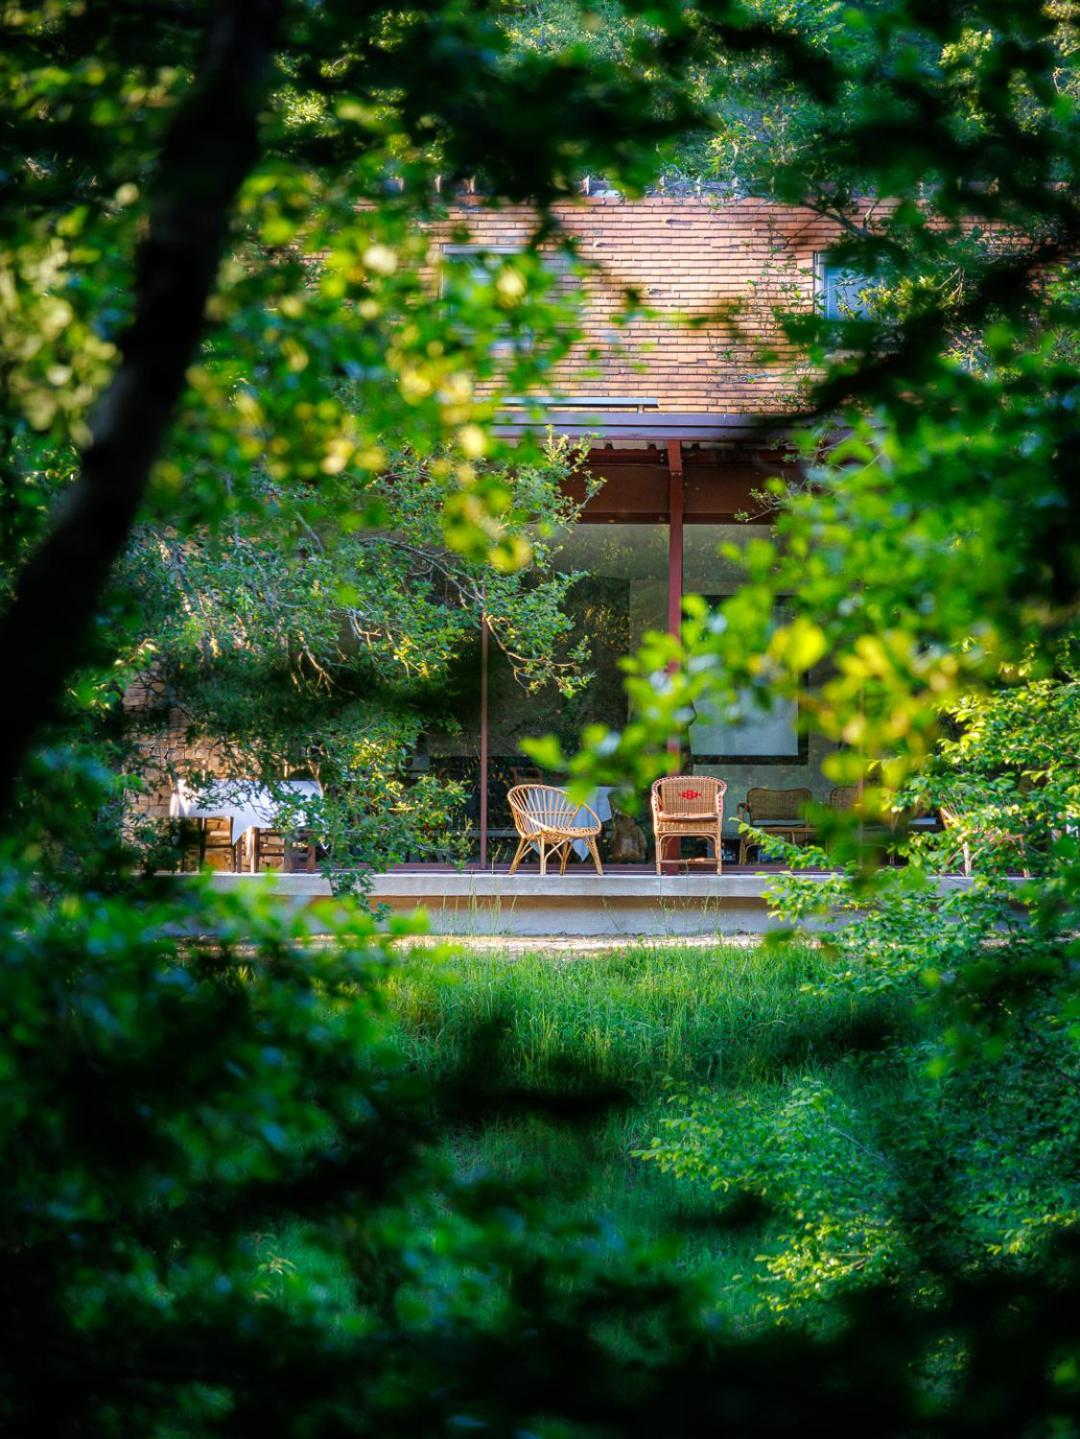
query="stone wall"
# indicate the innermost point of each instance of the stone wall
(161, 732)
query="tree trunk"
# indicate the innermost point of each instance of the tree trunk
(210, 147)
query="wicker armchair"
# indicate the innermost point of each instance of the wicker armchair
(692, 805)
(545, 818)
(845, 797)
(775, 809)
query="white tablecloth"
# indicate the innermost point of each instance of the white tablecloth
(246, 802)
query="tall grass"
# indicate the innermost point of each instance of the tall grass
(820, 1126)
(633, 1022)
(633, 1017)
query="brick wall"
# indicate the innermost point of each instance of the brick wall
(729, 260)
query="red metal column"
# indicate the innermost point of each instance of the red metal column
(675, 585)
(484, 636)
(675, 544)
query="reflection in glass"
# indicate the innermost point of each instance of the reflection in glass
(744, 730)
(621, 593)
(708, 572)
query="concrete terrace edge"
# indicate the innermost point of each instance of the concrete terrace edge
(576, 905)
(583, 905)
(575, 886)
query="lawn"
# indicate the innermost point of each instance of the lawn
(652, 1027)
(794, 1129)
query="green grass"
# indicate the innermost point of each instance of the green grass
(818, 1121)
(723, 1015)
(541, 1035)
(634, 1017)
(633, 1022)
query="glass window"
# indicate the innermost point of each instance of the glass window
(706, 571)
(843, 294)
(479, 262)
(479, 265)
(744, 732)
(621, 593)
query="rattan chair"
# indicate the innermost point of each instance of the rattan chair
(544, 817)
(845, 797)
(687, 805)
(779, 809)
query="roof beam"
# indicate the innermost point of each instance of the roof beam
(613, 426)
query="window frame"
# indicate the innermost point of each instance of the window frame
(822, 267)
(460, 251)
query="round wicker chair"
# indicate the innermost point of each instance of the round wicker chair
(545, 818)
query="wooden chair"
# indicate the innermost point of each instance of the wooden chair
(844, 797)
(207, 842)
(545, 818)
(776, 809)
(691, 805)
(268, 849)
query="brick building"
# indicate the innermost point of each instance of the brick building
(686, 410)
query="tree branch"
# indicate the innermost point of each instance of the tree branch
(209, 149)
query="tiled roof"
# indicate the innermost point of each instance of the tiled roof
(728, 262)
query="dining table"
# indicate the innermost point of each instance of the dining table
(249, 805)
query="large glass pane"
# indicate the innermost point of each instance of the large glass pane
(748, 747)
(621, 592)
(450, 750)
(706, 571)
(746, 731)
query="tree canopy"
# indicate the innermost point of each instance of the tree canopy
(216, 341)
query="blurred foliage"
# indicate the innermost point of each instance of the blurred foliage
(936, 537)
(183, 1072)
(963, 1160)
(994, 953)
(327, 282)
